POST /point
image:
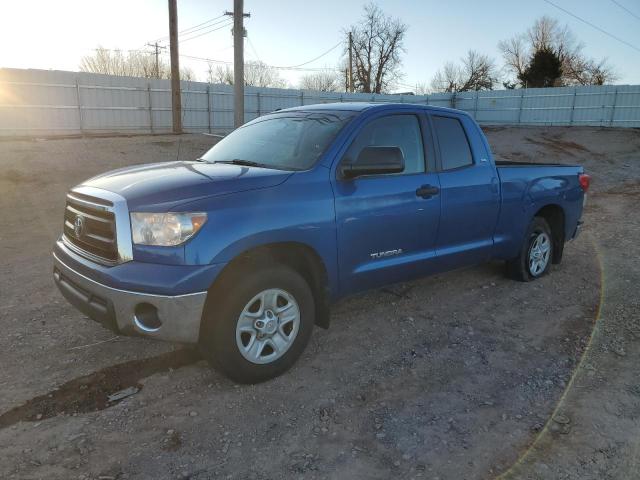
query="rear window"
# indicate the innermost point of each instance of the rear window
(454, 146)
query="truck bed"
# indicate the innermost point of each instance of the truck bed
(508, 163)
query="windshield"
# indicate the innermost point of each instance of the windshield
(288, 141)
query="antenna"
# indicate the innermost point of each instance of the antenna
(178, 152)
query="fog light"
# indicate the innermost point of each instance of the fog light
(146, 317)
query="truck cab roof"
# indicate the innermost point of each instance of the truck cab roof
(362, 106)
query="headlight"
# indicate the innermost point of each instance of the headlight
(165, 229)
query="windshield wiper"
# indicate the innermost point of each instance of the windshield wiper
(249, 163)
(244, 163)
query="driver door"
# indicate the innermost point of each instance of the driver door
(387, 225)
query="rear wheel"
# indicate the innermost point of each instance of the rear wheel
(257, 323)
(536, 253)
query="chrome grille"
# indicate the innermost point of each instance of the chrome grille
(90, 226)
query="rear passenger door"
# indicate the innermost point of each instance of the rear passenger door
(469, 192)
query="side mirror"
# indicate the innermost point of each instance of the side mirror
(374, 161)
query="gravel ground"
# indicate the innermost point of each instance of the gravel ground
(463, 375)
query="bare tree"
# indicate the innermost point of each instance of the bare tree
(110, 62)
(325, 81)
(377, 47)
(422, 89)
(256, 74)
(185, 74)
(515, 55)
(447, 78)
(476, 72)
(210, 73)
(546, 34)
(259, 74)
(590, 72)
(220, 74)
(131, 64)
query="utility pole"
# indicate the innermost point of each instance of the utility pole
(350, 63)
(176, 102)
(157, 53)
(238, 61)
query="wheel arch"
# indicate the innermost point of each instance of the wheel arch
(555, 216)
(298, 256)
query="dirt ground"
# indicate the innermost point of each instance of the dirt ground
(466, 375)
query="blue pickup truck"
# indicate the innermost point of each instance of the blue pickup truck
(244, 250)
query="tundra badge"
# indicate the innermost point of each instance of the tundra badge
(388, 253)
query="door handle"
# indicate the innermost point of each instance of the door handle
(427, 191)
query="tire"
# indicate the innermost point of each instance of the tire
(536, 253)
(231, 340)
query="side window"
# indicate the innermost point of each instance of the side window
(454, 146)
(393, 131)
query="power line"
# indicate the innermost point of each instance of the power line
(224, 25)
(314, 59)
(204, 59)
(224, 62)
(205, 27)
(626, 9)
(229, 23)
(136, 50)
(191, 29)
(253, 48)
(593, 26)
(186, 30)
(293, 67)
(406, 85)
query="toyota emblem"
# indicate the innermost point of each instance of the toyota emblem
(78, 226)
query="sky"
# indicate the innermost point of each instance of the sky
(49, 34)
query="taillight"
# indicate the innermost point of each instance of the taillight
(584, 180)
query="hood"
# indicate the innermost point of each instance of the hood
(169, 184)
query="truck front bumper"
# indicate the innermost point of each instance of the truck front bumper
(163, 317)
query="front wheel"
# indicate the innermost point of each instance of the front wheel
(536, 253)
(257, 323)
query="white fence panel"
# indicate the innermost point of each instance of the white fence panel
(41, 102)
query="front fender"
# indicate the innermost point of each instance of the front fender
(301, 210)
